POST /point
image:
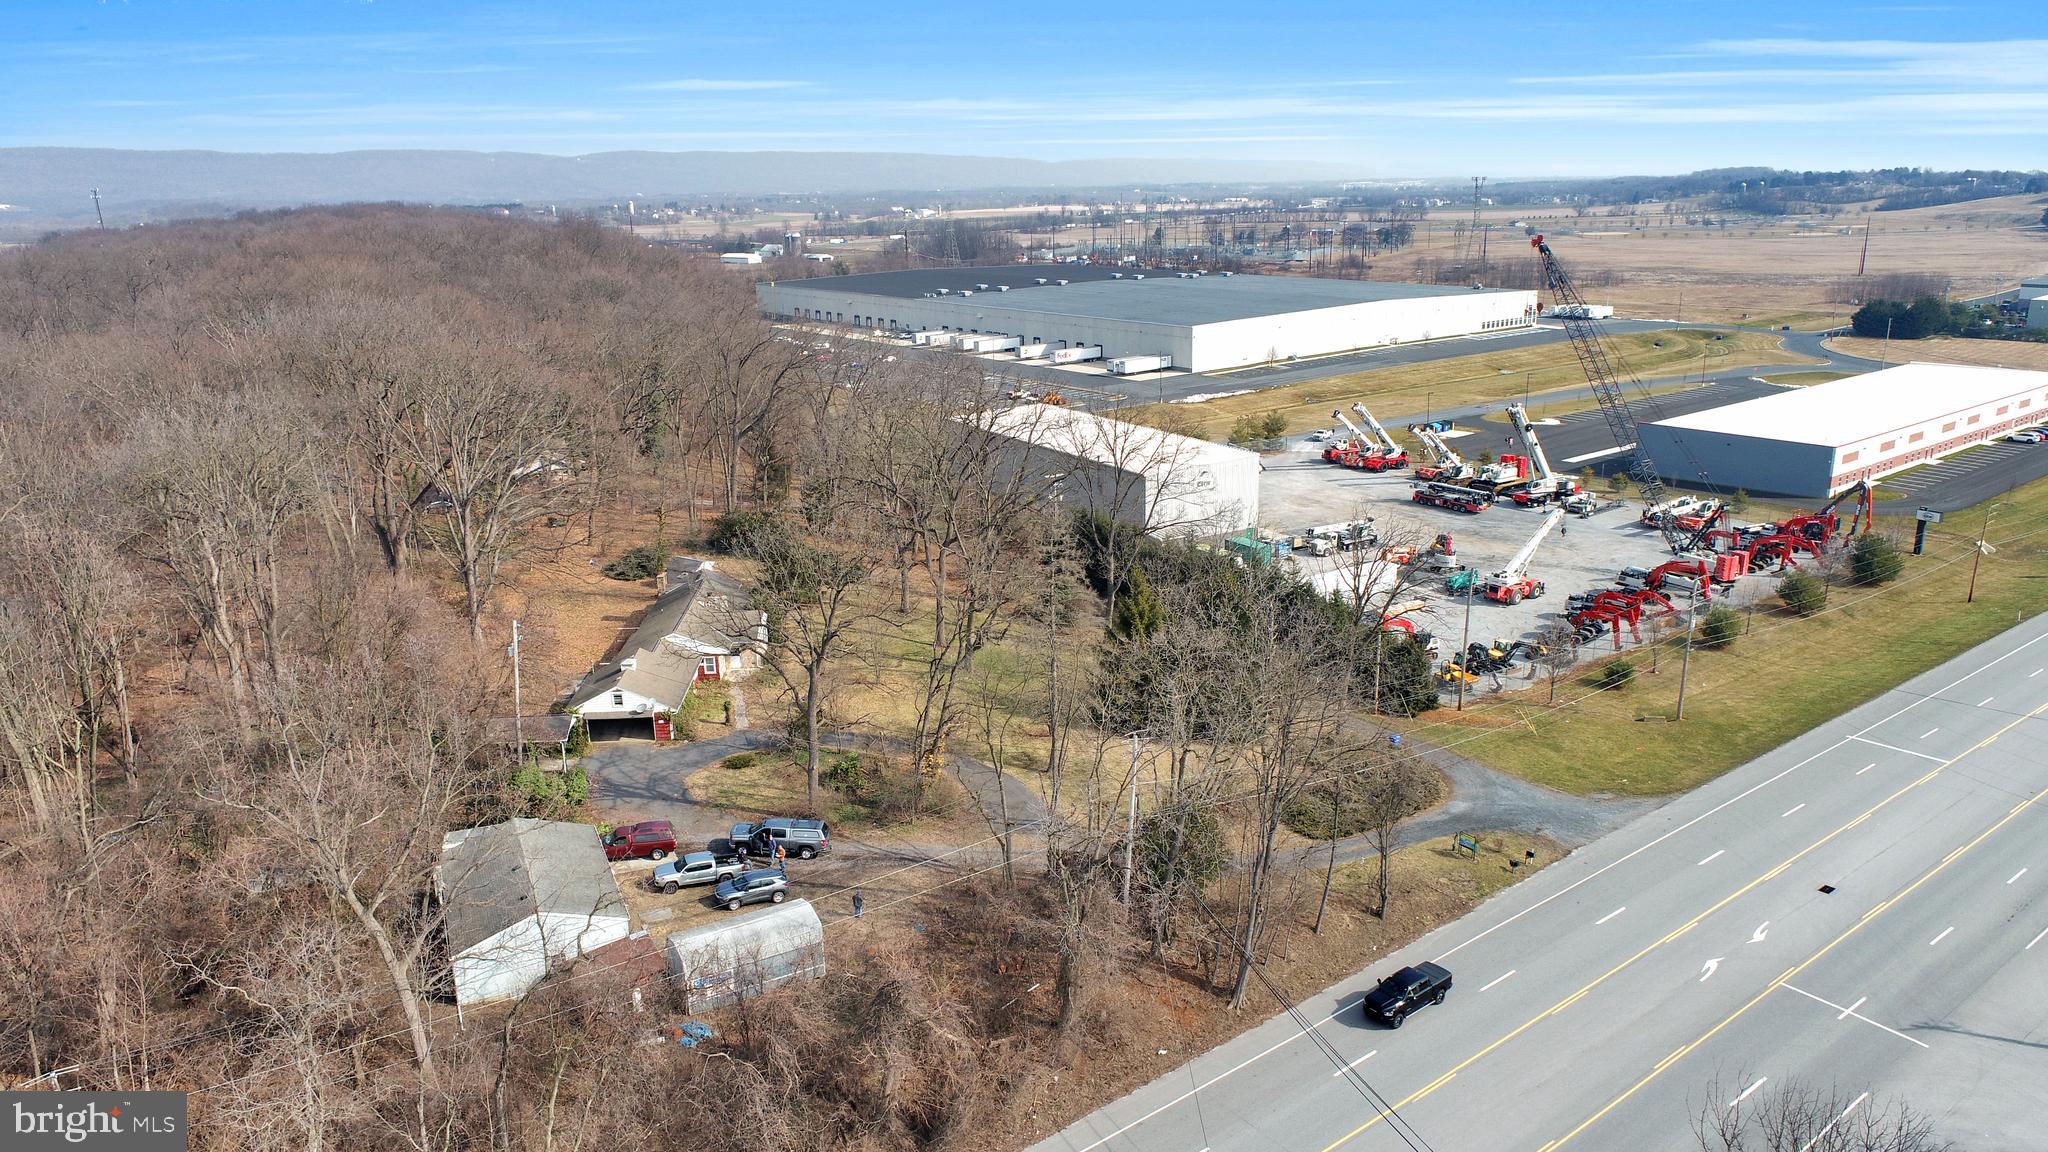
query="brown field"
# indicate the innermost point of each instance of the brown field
(1949, 350)
(1774, 273)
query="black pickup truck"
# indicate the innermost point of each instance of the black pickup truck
(1407, 990)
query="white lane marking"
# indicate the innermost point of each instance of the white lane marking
(1895, 748)
(1808, 1146)
(1746, 1091)
(1714, 857)
(2035, 672)
(1498, 979)
(1602, 454)
(1757, 937)
(1745, 794)
(1190, 1093)
(1930, 732)
(1354, 1063)
(1986, 700)
(1851, 1011)
(1709, 967)
(2017, 875)
(1610, 915)
(1851, 1008)
(1865, 768)
(1791, 810)
(2035, 940)
(1943, 936)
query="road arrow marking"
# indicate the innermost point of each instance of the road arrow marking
(1758, 936)
(1746, 1091)
(1707, 969)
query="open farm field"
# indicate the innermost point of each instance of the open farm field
(1949, 350)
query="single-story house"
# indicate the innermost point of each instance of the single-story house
(520, 897)
(744, 956)
(698, 628)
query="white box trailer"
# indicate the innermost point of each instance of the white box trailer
(1076, 355)
(1032, 351)
(997, 343)
(962, 341)
(1133, 365)
(929, 338)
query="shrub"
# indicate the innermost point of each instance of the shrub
(1617, 482)
(1740, 501)
(1274, 426)
(737, 532)
(1802, 592)
(549, 794)
(579, 738)
(637, 563)
(1618, 674)
(1718, 629)
(1875, 560)
(738, 761)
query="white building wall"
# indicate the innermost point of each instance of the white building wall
(514, 960)
(2037, 312)
(602, 708)
(1924, 440)
(1236, 343)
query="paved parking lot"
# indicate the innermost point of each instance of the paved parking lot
(1966, 478)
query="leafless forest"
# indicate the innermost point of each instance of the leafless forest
(261, 484)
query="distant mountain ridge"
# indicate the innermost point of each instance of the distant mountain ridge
(56, 180)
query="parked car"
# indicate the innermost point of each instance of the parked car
(1319, 435)
(802, 839)
(757, 886)
(2028, 436)
(694, 868)
(649, 839)
(1399, 995)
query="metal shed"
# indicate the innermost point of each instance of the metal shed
(736, 959)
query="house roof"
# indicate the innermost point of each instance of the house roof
(548, 728)
(698, 615)
(498, 875)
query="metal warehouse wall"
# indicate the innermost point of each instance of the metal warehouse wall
(1235, 343)
(1752, 463)
(982, 312)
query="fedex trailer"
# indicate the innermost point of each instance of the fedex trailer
(1076, 355)
(1133, 365)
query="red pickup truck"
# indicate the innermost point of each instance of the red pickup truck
(652, 839)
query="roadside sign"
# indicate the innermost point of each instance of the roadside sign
(1927, 516)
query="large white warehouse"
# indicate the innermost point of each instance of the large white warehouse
(1199, 322)
(1817, 441)
(1173, 485)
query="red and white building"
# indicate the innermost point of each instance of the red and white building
(1816, 441)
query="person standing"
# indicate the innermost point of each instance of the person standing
(781, 856)
(858, 903)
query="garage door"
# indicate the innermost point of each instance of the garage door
(631, 728)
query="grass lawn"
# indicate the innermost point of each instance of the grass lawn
(1782, 678)
(1806, 379)
(1401, 391)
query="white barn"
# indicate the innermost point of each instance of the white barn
(520, 897)
(1173, 485)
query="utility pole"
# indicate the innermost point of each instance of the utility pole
(1885, 359)
(518, 721)
(1983, 544)
(1863, 262)
(1685, 662)
(97, 214)
(1465, 646)
(1131, 821)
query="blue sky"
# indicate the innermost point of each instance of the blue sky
(1433, 89)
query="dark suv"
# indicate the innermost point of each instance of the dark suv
(652, 839)
(802, 839)
(1407, 990)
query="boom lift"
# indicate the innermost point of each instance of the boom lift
(1394, 455)
(1605, 372)
(1512, 584)
(1351, 449)
(1545, 486)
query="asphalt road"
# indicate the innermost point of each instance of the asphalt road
(1858, 909)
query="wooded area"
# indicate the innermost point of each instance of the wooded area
(261, 485)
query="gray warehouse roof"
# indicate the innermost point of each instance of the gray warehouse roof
(1158, 298)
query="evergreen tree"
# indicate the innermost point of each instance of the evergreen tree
(1138, 612)
(1875, 560)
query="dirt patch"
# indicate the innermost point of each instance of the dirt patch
(1948, 350)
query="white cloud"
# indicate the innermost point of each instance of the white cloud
(698, 84)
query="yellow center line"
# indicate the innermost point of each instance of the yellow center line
(1796, 969)
(1688, 926)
